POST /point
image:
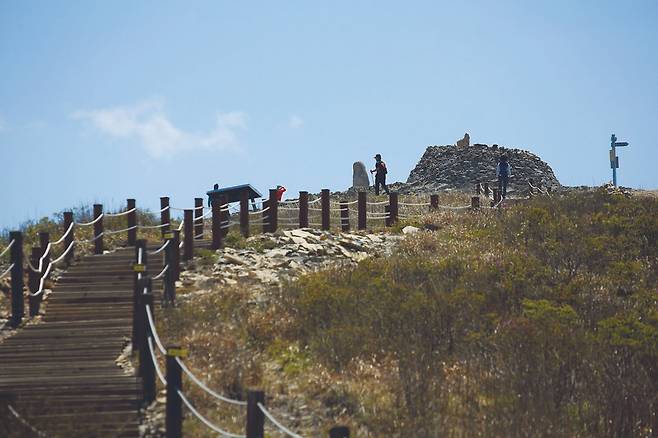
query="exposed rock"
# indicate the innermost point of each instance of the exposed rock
(464, 142)
(410, 230)
(360, 175)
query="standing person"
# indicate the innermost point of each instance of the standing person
(503, 172)
(380, 172)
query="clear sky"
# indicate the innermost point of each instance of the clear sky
(105, 100)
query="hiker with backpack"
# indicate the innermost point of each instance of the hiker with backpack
(503, 172)
(380, 172)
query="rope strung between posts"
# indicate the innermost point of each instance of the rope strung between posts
(180, 227)
(7, 271)
(377, 203)
(92, 239)
(259, 211)
(461, 207)
(204, 420)
(150, 227)
(123, 213)
(162, 273)
(61, 239)
(411, 204)
(314, 201)
(199, 236)
(154, 331)
(289, 208)
(165, 208)
(155, 362)
(110, 232)
(4, 251)
(85, 224)
(281, 427)
(24, 422)
(200, 207)
(61, 257)
(203, 386)
(159, 250)
(41, 259)
(42, 282)
(314, 209)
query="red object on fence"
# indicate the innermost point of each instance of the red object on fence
(280, 190)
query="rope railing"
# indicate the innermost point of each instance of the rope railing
(152, 227)
(66, 233)
(156, 365)
(4, 251)
(259, 211)
(110, 232)
(200, 207)
(7, 271)
(93, 239)
(274, 421)
(203, 386)
(205, 421)
(123, 213)
(162, 273)
(159, 250)
(24, 422)
(149, 315)
(63, 255)
(163, 209)
(85, 224)
(412, 204)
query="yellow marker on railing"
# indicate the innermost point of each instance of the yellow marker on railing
(138, 267)
(177, 352)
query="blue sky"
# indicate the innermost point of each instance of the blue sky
(101, 101)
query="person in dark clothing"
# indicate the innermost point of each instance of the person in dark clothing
(380, 172)
(503, 172)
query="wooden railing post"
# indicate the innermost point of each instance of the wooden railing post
(165, 214)
(98, 229)
(303, 209)
(344, 216)
(475, 202)
(198, 222)
(17, 281)
(339, 432)
(255, 417)
(68, 220)
(176, 254)
(215, 205)
(266, 216)
(244, 213)
(224, 215)
(132, 222)
(169, 279)
(434, 202)
(393, 207)
(274, 211)
(139, 269)
(486, 189)
(496, 196)
(478, 188)
(325, 203)
(44, 239)
(174, 409)
(146, 365)
(362, 205)
(188, 228)
(33, 279)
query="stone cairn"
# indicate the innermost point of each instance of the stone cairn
(450, 167)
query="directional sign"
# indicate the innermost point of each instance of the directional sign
(621, 143)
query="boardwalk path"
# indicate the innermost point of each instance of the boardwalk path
(64, 371)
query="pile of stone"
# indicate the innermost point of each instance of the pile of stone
(288, 255)
(452, 167)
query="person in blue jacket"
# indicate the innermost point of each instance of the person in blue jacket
(503, 172)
